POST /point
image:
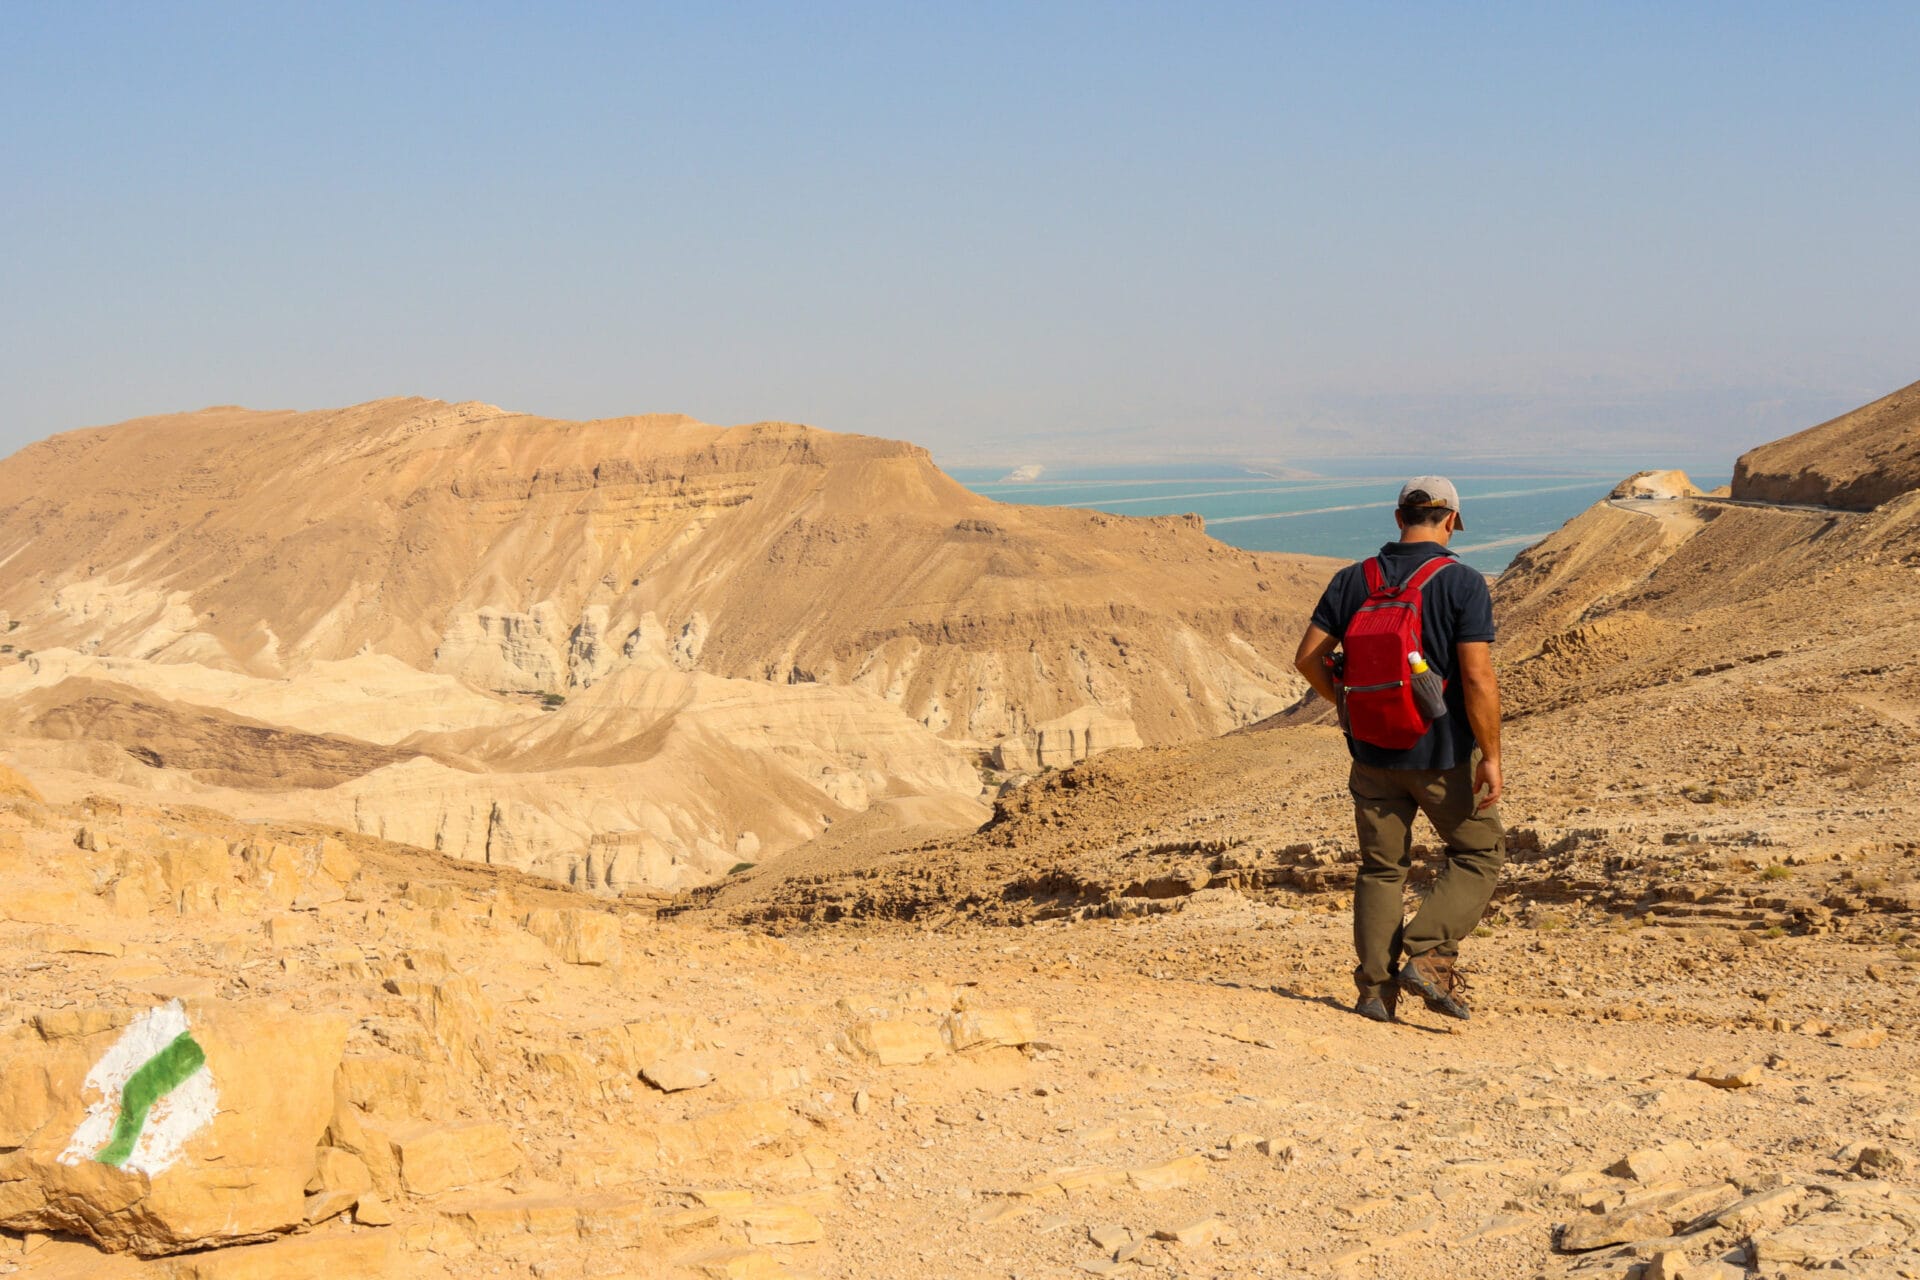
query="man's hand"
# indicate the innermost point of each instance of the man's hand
(1486, 785)
(1311, 662)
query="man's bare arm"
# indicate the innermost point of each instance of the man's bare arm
(1481, 692)
(1311, 662)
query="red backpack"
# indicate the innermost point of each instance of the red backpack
(1378, 677)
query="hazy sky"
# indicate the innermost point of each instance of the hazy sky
(1006, 232)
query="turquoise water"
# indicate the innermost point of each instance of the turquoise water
(1347, 515)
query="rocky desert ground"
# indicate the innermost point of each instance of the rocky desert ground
(1075, 1014)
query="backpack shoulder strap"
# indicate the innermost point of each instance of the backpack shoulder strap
(1426, 573)
(1376, 578)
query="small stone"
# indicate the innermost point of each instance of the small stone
(676, 1073)
(371, 1211)
(1879, 1162)
(993, 1213)
(896, 1043)
(1110, 1236)
(1744, 1076)
(1759, 1211)
(1598, 1230)
(323, 1205)
(782, 1224)
(1503, 1225)
(862, 1103)
(684, 1220)
(1364, 1206)
(1168, 1176)
(1090, 1178)
(1650, 1164)
(1576, 1182)
(1716, 1270)
(1668, 1264)
(1201, 1231)
(1241, 1141)
(1281, 1153)
(730, 1201)
(1861, 1038)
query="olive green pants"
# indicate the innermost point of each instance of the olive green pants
(1384, 804)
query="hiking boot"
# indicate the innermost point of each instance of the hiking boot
(1434, 979)
(1373, 1008)
(1376, 1003)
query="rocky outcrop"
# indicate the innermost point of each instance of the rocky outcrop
(187, 1127)
(494, 648)
(1656, 484)
(1855, 461)
(1065, 740)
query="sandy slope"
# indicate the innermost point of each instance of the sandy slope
(1858, 460)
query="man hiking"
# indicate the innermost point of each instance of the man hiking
(1415, 688)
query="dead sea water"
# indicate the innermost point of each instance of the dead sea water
(1347, 516)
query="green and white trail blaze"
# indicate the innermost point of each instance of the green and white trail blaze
(148, 1095)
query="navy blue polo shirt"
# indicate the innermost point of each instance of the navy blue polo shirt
(1456, 608)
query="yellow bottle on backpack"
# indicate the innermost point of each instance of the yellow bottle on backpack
(1429, 690)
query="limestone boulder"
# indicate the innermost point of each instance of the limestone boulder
(895, 1042)
(190, 1126)
(444, 1157)
(577, 936)
(990, 1028)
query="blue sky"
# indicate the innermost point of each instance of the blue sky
(1008, 232)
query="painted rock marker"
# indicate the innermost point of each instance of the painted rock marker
(151, 1093)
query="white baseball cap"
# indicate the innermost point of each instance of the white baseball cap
(1431, 491)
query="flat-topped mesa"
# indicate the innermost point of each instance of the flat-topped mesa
(1855, 461)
